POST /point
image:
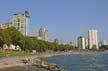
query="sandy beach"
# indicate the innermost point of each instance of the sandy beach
(17, 61)
(11, 62)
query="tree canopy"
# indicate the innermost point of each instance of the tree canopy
(13, 36)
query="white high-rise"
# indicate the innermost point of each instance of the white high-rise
(93, 39)
(21, 22)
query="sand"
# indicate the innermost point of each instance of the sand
(15, 63)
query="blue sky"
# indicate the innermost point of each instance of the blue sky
(66, 19)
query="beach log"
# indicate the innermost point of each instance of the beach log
(52, 66)
(44, 65)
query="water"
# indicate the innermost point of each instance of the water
(74, 62)
(82, 62)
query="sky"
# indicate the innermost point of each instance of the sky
(65, 19)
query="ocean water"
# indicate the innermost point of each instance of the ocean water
(82, 62)
(74, 62)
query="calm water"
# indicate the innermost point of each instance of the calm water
(87, 62)
(84, 62)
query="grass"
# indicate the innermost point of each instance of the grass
(2, 54)
(13, 53)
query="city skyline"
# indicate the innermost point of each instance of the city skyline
(64, 19)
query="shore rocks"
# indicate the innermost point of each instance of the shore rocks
(26, 60)
(39, 62)
(52, 66)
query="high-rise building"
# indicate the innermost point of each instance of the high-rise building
(81, 42)
(86, 43)
(43, 34)
(104, 42)
(70, 43)
(21, 22)
(93, 39)
(58, 41)
(6, 25)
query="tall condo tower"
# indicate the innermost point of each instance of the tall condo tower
(43, 34)
(58, 41)
(21, 22)
(81, 42)
(93, 39)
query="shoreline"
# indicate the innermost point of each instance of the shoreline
(7, 62)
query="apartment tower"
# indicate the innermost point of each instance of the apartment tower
(93, 39)
(43, 34)
(81, 42)
(21, 22)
